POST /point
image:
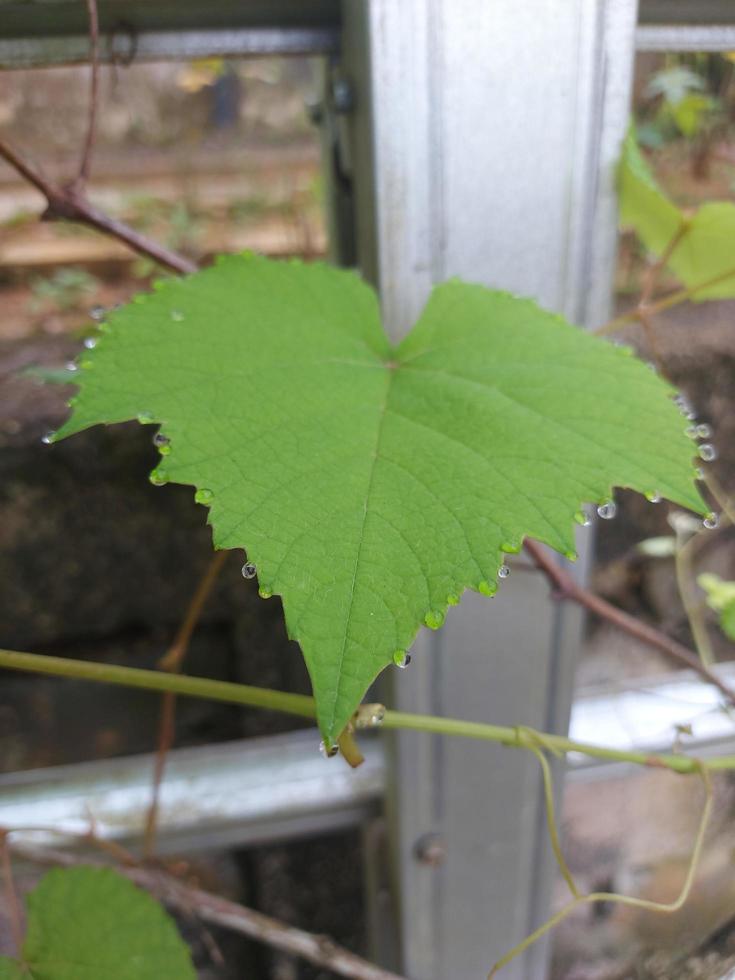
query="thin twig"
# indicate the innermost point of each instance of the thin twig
(565, 587)
(70, 204)
(666, 302)
(304, 707)
(628, 900)
(172, 662)
(11, 896)
(221, 912)
(86, 161)
(654, 272)
(692, 608)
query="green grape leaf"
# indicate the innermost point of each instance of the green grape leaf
(370, 485)
(11, 969)
(704, 252)
(86, 923)
(721, 598)
(643, 205)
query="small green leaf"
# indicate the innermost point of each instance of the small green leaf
(705, 251)
(663, 547)
(643, 205)
(720, 598)
(371, 486)
(11, 969)
(91, 923)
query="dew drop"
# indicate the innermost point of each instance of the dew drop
(487, 588)
(571, 555)
(177, 316)
(503, 571)
(97, 313)
(698, 473)
(160, 440)
(691, 431)
(690, 416)
(707, 452)
(711, 521)
(582, 519)
(704, 431)
(510, 549)
(401, 659)
(264, 592)
(90, 343)
(249, 570)
(158, 478)
(203, 496)
(328, 753)
(608, 510)
(434, 619)
(71, 366)
(145, 418)
(653, 497)
(48, 438)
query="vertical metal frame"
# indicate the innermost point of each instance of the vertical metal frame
(483, 144)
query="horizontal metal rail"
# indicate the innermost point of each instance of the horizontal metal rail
(686, 12)
(124, 46)
(686, 37)
(265, 789)
(233, 794)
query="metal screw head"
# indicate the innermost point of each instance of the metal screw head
(430, 849)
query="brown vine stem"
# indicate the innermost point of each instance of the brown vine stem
(11, 896)
(217, 911)
(665, 303)
(94, 32)
(71, 204)
(172, 662)
(566, 588)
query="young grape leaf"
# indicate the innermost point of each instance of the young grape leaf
(86, 923)
(721, 598)
(706, 248)
(11, 969)
(371, 486)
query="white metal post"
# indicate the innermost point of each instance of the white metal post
(485, 134)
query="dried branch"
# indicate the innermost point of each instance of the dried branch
(216, 911)
(565, 587)
(71, 204)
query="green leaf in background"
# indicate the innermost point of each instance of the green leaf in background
(370, 486)
(91, 923)
(705, 250)
(11, 969)
(675, 84)
(720, 598)
(643, 205)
